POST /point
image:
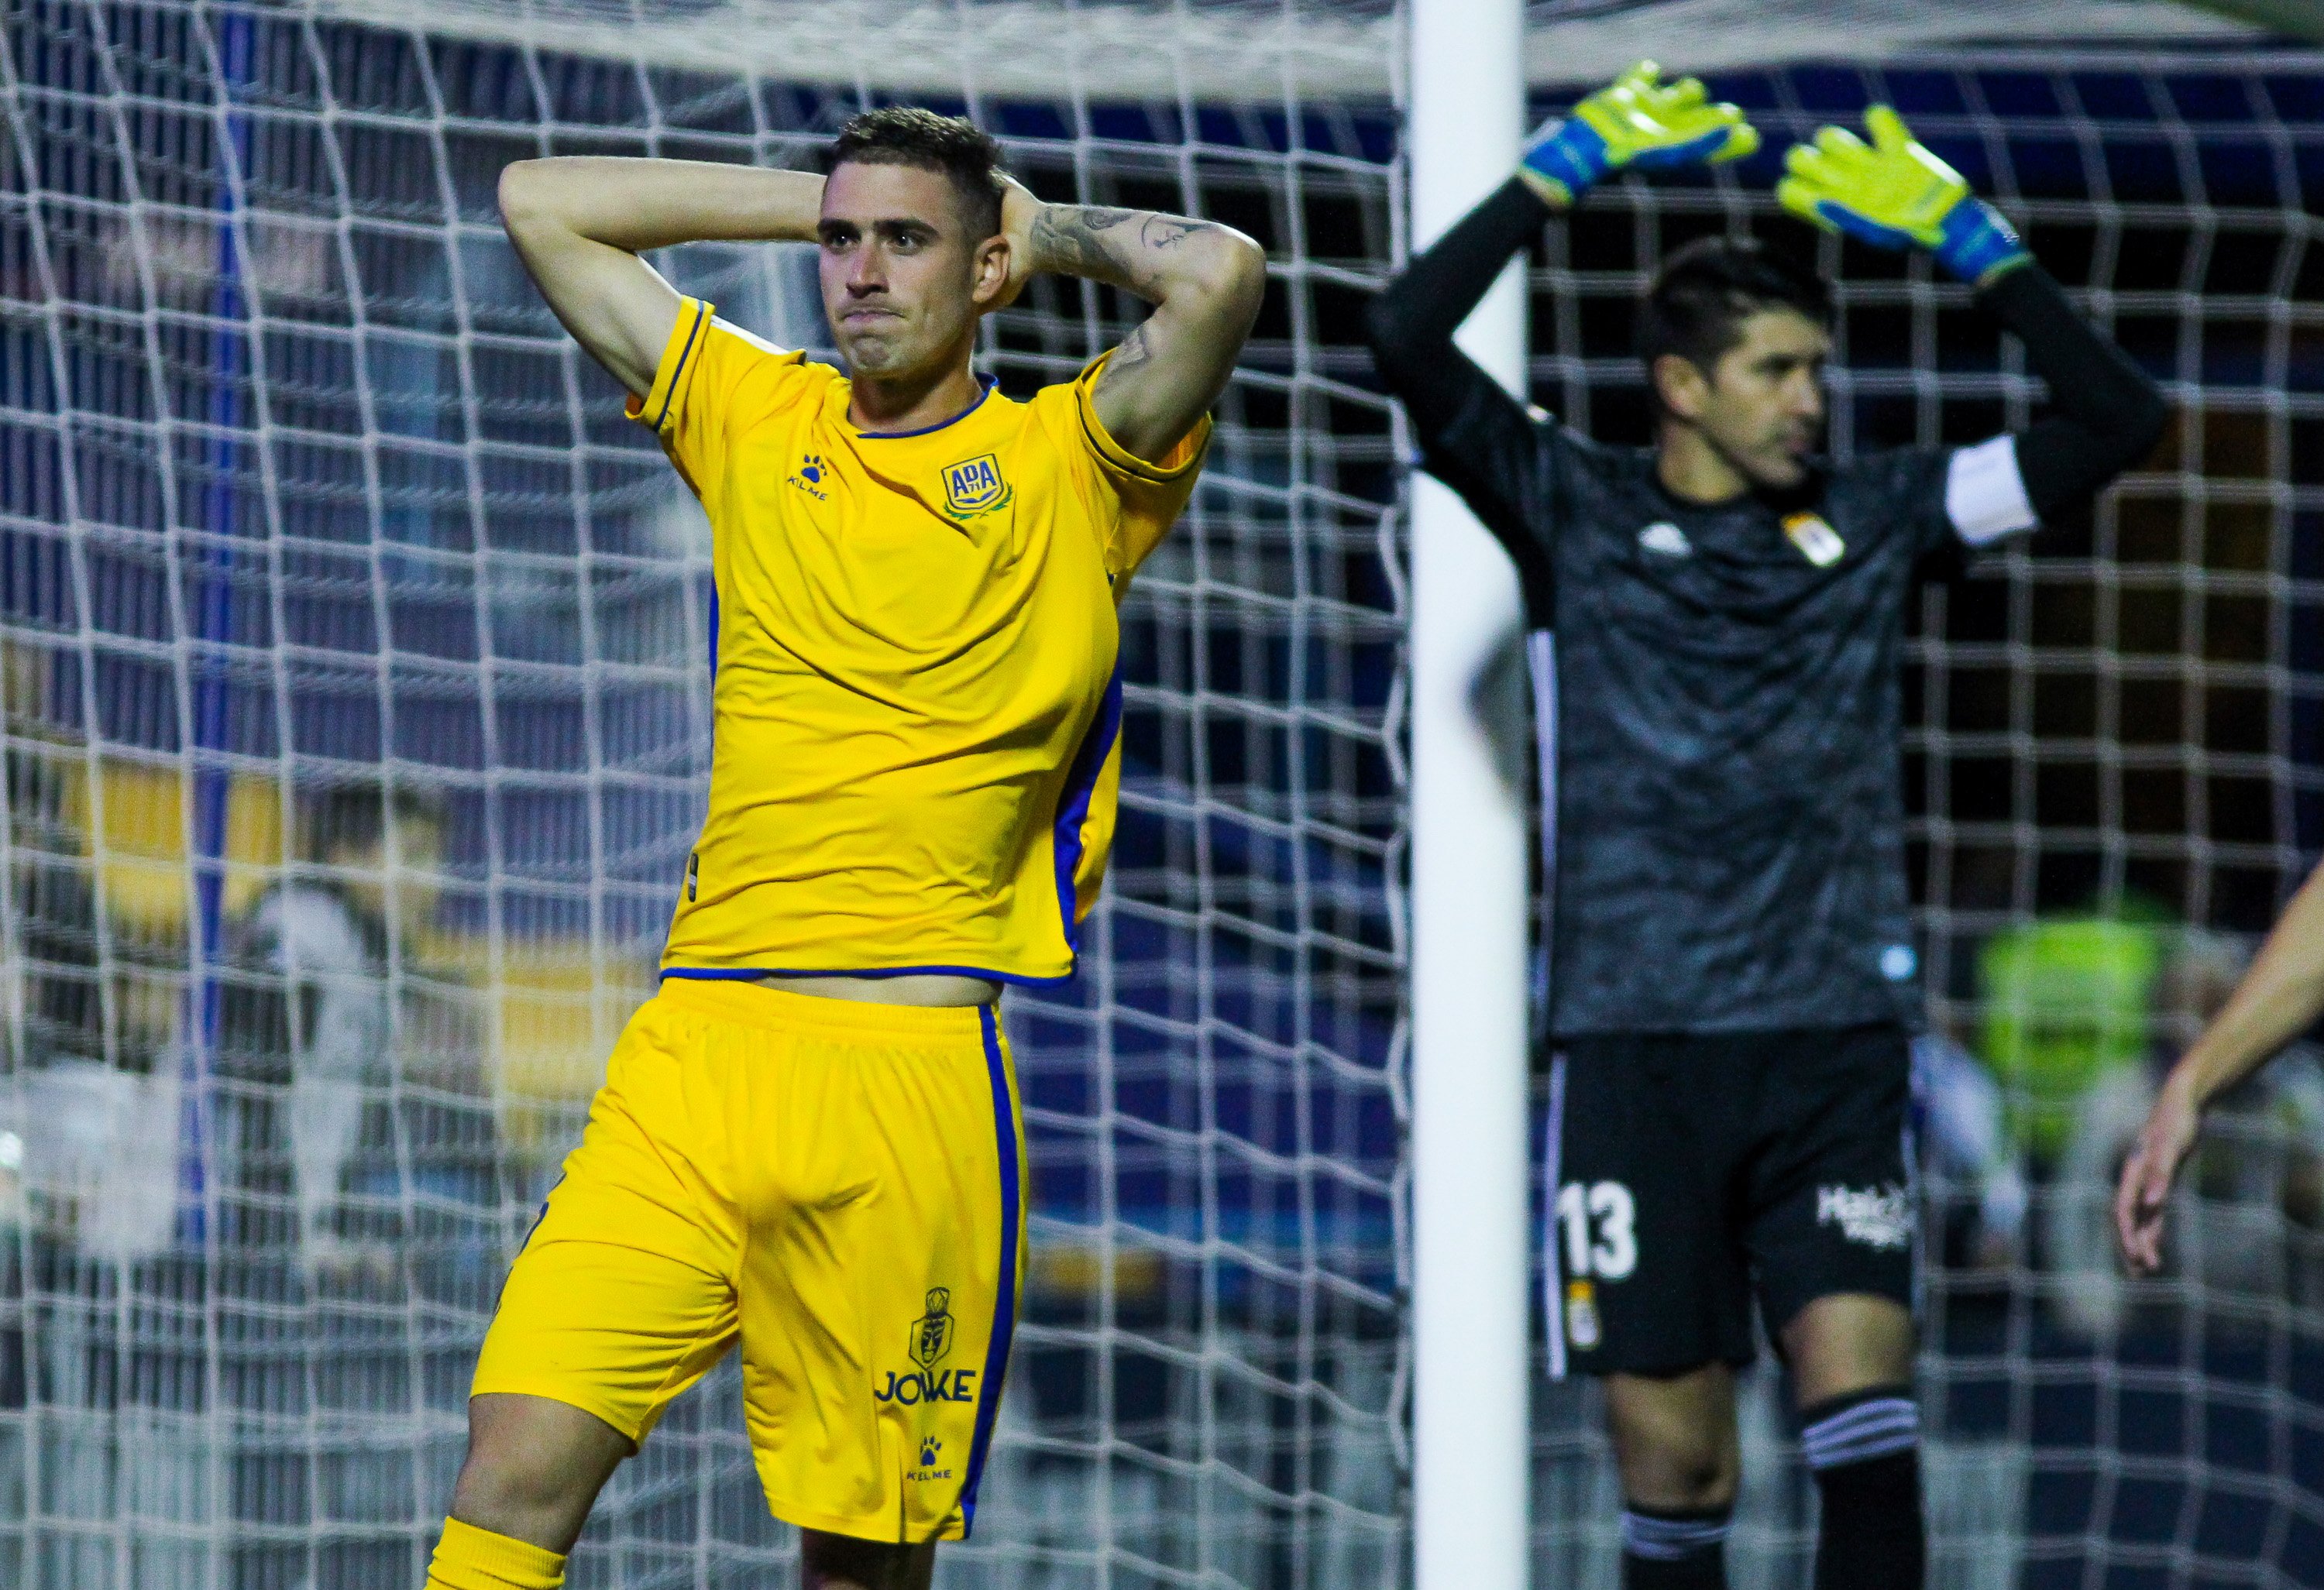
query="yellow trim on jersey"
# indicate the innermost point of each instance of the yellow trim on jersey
(916, 711)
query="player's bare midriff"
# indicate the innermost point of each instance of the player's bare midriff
(923, 988)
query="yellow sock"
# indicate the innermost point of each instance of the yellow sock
(470, 1558)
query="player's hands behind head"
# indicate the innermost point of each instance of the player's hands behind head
(1019, 207)
(1893, 193)
(1637, 120)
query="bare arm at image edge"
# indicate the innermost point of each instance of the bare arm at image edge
(2279, 998)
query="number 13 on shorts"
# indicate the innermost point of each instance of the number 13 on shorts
(1599, 1222)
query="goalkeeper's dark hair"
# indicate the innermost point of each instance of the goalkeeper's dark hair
(1705, 292)
(909, 135)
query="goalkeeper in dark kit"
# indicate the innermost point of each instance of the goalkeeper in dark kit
(1733, 977)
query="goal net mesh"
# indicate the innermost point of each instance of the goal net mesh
(313, 527)
(316, 527)
(2113, 772)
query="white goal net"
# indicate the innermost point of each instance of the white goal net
(355, 729)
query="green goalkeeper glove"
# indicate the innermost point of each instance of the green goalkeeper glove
(1893, 193)
(1637, 120)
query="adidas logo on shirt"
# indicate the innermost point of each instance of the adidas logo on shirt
(1666, 539)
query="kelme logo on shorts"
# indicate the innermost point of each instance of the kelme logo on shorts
(931, 1449)
(974, 486)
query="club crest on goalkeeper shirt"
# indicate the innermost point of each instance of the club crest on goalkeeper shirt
(916, 706)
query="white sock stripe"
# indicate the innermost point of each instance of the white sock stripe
(1880, 1411)
(1872, 1428)
(1825, 1462)
(1667, 1540)
(1888, 1435)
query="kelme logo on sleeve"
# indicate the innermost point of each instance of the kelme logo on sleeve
(974, 486)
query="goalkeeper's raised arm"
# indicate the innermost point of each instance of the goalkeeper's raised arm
(1893, 193)
(1638, 121)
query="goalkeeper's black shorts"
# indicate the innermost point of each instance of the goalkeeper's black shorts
(1693, 1171)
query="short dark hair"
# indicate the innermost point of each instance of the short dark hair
(909, 135)
(354, 815)
(1705, 292)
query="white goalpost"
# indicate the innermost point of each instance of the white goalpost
(1471, 1247)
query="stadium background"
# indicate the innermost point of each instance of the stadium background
(299, 483)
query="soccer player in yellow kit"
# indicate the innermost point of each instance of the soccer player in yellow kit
(807, 1141)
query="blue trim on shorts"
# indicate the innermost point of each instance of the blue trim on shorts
(719, 973)
(1004, 1309)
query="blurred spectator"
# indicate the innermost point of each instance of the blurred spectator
(2068, 1003)
(307, 1032)
(1965, 1145)
(317, 1221)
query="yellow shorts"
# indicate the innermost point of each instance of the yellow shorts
(837, 1185)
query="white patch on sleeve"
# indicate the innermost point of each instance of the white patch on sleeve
(1985, 494)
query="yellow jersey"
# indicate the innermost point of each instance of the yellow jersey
(916, 702)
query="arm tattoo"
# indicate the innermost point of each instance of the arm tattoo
(1066, 238)
(1135, 350)
(1095, 242)
(1169, 231)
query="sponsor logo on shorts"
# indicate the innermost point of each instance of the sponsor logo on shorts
(945, 1385)
(1877, 1217)
(932, 1331)
(931, 1339)
(931, 1449)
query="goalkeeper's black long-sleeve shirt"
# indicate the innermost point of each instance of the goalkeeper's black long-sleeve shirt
(1727, 841)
